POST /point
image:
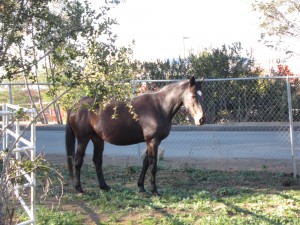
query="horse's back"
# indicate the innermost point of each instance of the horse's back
(151, 122)
(124, 129)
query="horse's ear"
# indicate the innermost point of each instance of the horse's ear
(192, 81)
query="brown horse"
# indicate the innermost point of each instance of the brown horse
(155, 112)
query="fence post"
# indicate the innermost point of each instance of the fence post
(138, 158)
(4, 126)
(291, 120)
(33, 175)
(10, 93)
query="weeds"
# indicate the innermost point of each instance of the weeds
(190, 196)
(58, 217)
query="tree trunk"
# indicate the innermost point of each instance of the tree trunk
(37, 81)
(52, 77)
(41, 117)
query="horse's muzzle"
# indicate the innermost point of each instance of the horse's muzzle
(200, 121)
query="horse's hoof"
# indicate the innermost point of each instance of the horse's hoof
(79, 189)
(144, 194)
(105, 188)
(142, 190)
(156, 193)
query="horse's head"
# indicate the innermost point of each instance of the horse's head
(192, 100)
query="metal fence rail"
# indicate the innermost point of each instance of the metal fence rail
(11, 133)
(254, 117)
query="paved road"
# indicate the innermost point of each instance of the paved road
(204, 144)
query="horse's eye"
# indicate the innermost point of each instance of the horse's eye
(194, 96)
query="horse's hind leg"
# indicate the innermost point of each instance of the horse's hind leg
(97, 159)
(80, 153)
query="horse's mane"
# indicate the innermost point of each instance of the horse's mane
(171, 86)
(167, 88)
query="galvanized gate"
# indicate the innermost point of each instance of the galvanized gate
(14, 142)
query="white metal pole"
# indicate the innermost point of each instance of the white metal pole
(17, 154)
(17, 127)
(294, 156)
(33, 176)
(5, 123)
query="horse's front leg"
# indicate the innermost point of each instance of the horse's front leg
(81, 147)
(153, 164)
(152, 148)
(97, 159)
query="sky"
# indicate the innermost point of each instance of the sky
(166, 29)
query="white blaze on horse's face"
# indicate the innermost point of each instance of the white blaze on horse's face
(192, 102)
(197, 111)
(199, 93)
(199, 117)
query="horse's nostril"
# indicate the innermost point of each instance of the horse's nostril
(201, 121)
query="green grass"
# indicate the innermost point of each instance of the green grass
(47, 216)
(189, 196)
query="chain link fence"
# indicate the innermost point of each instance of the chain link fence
(253, 118)
(246, 118)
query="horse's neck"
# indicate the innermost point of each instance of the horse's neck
(172, 99)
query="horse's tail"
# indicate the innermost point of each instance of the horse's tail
(70, 145)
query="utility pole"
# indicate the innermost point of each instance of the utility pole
(184, 38)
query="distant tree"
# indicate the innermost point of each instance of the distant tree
(165, 69)
(225, 62)
(280, 23)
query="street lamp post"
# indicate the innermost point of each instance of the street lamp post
(184, 38)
